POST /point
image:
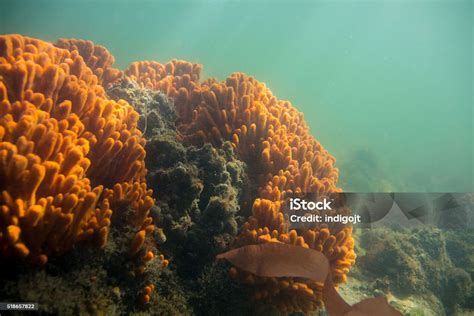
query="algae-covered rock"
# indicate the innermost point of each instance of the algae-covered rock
(155, 109)
(197, 202)
(425, 264)
(389, 255)
(198, 192)
(214, 293)
(456, 287)
(461, 251)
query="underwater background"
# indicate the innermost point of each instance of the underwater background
(385, 86)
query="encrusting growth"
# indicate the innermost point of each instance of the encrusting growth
(69, 156)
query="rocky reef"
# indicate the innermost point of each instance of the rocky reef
(420, 269)
(119, 188)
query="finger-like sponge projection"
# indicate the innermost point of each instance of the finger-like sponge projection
(69, 156)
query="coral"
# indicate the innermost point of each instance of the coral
(69, 156)
(282, 157)
(270, 133)
(96, 57)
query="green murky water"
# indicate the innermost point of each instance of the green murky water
(386, 86)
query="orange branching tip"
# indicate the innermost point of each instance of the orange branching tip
(164, 262)
(148, 256)
(137, 242)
